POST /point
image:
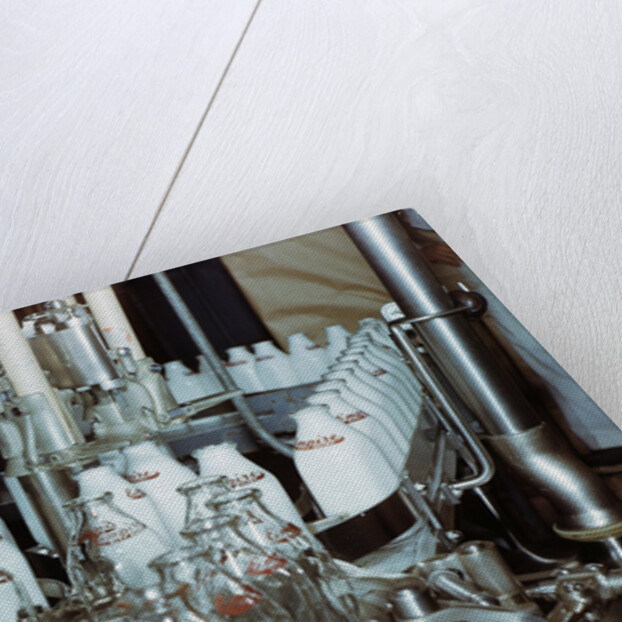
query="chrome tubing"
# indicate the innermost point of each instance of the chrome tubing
(452, 343)
(588, 508)
(207, 350)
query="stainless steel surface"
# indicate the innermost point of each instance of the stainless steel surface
(412, 604)
(451, 341)
(587, 508)
(48, 491)
(195, 331)
(75, 358)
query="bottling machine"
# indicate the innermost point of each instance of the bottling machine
(495, 516)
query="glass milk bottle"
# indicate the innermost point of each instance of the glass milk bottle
(274, 367)
(370, 400)
(411, 401)
(18, 585)
(360, 421)
(112, 541)
(371, 388)
(209, 379)
(392, 438)
(398, 369)
(308, 359)
(345, 472)
(185, 385)
(225, 459)
(241, 367)
(336, 341)
(128, 497)
(377, 329)
(159, 475)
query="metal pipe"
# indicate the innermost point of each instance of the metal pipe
(453, 344)
(206, 349)
(587, 507)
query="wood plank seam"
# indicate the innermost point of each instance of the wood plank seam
(191, 142)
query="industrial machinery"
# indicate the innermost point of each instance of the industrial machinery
(494, 516)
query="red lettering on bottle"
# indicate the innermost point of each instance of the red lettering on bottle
(135, 493)
(142, 477)
(319, 442)
(238, 603)
(245, 479)
(236, 363)
(287, 533)
(109, 533)
(266, 566)
(352, 417)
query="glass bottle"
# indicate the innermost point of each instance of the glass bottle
(375, 401)
(345, 471)
(361, 421)
(385, 383)
(225, 459)
(118, 546)
(280, 579)
(308, 359)
(153, 604)
(198, 493)
(368, 406)
(159, 475)
(274, 367)
(241, 366)
(127, 496)
(210, 590)
(336, 341)
(262, 527)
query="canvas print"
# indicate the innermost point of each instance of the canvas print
(343, 426)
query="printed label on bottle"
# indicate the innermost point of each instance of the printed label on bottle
(266, 565)
(109, 533)
(286, 534)
(135, 493)
(378, 372)
(142, 477)
(234, 605)
(5, 577)
(247, 478)
(319, 442)
(352, 417)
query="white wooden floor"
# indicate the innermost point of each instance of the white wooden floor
(137, 136)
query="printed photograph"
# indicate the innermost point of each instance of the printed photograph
(342, 426)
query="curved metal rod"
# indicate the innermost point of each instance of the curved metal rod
(451, 419)
(207, 350)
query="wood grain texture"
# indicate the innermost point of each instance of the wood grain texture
(98, 103)
(499, 121)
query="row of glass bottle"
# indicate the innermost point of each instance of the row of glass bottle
(217, 547)
(268, 368)
(265, 369)
(357, 401)
(359, 425)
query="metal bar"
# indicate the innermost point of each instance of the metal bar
(207, 350)
(454, 420)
